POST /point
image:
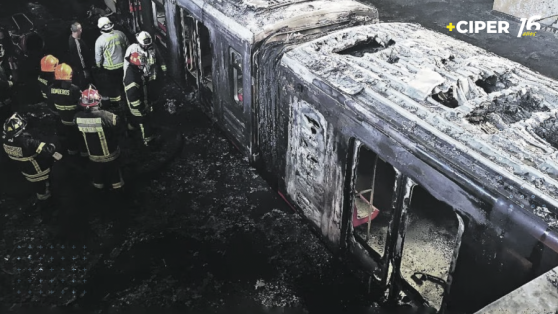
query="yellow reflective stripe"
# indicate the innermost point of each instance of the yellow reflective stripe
(40, 148)
(135, 112)
(135, 103)
(115, 98)
(113, 119)
(103, 141)
(68, 122)
(164, 67)
(98, 185)
(131, 85)
(39, 179)
(114, 67)
(23, 158)
(44, 95)
(106, 158)
(37, 175)
(108, 58)
(43, 81)
(86, 145)
(43, 197)
(59, 107)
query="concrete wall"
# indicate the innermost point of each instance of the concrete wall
(527, 8)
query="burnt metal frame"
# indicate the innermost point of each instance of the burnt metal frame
(392, 280)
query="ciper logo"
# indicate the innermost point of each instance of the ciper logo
(496, 27)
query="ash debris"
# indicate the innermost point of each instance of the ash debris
(548, 130)
(507, 109)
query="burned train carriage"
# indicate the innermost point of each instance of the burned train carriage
(429, 161)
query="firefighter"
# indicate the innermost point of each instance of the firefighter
(100, 130)
(34, 157)
(48, 63)
(6, 86)
(65, 97)
(135, 86)
(154, 62)
(110, 48)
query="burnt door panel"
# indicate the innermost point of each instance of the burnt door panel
(232, 97)
(374, 211)
(432, 238)
(204, 60)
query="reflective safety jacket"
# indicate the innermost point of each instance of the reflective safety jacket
(65, 97)
(110, 49)
(100, 130)
(135, 86)
(45, 79)
(153, 57)
(32, 155)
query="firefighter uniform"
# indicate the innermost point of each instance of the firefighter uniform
(155, 63)
(34, 158)
(100, 130)
(48, 63)
(65, 97)
(110, 48)
(135, 86)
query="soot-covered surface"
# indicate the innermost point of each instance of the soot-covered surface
(197, 229)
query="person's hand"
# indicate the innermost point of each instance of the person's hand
(10, 83)
(57, 156)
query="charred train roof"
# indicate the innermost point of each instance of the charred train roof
(254, 20)
(493, 119)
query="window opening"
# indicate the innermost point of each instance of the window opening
(235, 63)
(374, 184)
(159, 17)
(432, 236)
(188, 45)
(205, 55)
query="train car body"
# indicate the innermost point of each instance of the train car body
(454, 147)
(428, 161)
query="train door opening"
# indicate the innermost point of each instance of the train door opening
(189, 46)
(205, 62)
(159, 21)
(374, 206)
(432, 238)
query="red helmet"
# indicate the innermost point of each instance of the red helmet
(90, 97)
(137, 58)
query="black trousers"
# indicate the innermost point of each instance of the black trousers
(143, 124)
(71, 139)
(81, 80)
(106, 174)
(42, 189)
(111, 86)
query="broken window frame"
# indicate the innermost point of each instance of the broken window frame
(399, 283)
(156, 7)
(205, 81)
(383, 273)
(236, 75)
(189, 46)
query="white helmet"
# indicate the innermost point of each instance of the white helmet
(144, 39)
(105, 24)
